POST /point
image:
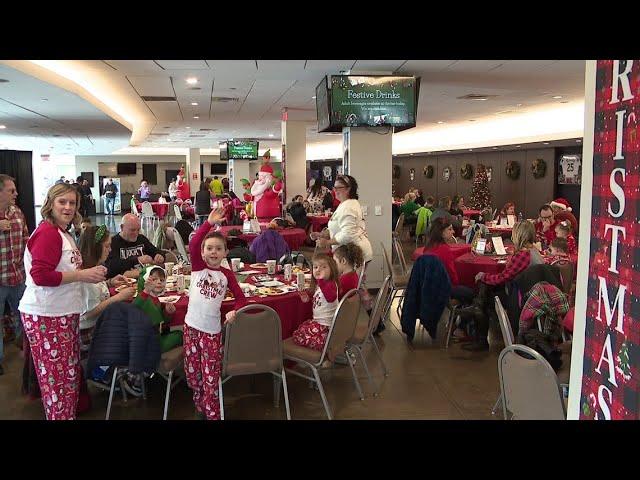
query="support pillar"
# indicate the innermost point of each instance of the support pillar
(367, 155)
(192, 168)
(294, 158)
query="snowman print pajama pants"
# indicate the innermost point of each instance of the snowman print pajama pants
(202, 365)
(55, 348)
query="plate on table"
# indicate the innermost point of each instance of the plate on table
(295, 270)
(169, 299)
(122, 287)
(272, 283)
(271, 291)
(258, 265)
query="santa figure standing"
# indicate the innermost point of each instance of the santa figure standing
(184, 190)
(266, 191)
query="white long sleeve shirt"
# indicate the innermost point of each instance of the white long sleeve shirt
(347, 226)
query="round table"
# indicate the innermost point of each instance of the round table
(294, 237)
(469, 265)
(500, 230)
(457, 249)
(318, 222)
(467, 212)
(160, 209)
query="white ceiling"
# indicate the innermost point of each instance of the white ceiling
(260, 89)
(43, 117)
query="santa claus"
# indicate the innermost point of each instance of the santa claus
(266, 191)
(184, 191)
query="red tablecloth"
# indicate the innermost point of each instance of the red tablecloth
(160, 209)
(294, 237)
(318, 222)
(458, 249)
(469, 265)
(502, 231)
(469, 212)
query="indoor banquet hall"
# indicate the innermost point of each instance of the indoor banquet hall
(318, 239)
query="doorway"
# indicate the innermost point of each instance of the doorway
(168, 176)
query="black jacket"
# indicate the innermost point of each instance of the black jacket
(111, 190)
(124, 255)
(299, 215)
(203, 202)
(124, 337)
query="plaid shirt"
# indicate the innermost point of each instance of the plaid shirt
(12, 245)
(547, 303)
(518, 263)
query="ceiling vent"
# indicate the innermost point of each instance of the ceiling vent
(4, 80)
(194, 88)
(476, 96)
(208, 129)
(224, 99)
(196, 136)
(158, 134)
(158, 99)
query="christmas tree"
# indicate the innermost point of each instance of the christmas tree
(480, 194)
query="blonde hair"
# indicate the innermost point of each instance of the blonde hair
(523, 232)
(58, 191)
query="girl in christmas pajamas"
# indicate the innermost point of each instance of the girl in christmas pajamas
(202, 331)
(51, 305)
(324, 283)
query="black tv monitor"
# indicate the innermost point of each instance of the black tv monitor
(367, 101)
(222, 146)
(218, 169)
(126, 168)
(242, 149)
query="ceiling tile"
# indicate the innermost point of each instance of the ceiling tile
(183, 64)
(147, 86)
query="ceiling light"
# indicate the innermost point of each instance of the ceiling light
(2, 127)
(471, 149)
(546, 143)
(313, 96)
(448, 151)
(495, 148)
(557, 97)
(440, 122)
(187, 127)
(192, 80)
(271, 135)
(195, 104)
(578, 140)
(518, 104)
(196, 117)
(518, 146)
(45, 99)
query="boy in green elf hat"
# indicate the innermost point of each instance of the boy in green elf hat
(152, 284)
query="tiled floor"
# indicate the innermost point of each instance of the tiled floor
(425, 382)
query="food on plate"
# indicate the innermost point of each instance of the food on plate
(228, 295)
(169, 299)
(296, 269)
(258, 265)
(269, 291)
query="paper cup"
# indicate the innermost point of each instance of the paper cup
(168, 268)
(271, 267)
(235, 264)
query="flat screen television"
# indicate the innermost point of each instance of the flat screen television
(222, 146)
(127, 168)
(367, 101)
(218, 169)
(242, 149)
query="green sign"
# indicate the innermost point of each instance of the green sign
(373, 101)
(242, 149)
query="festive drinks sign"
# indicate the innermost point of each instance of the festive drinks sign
(611, 374)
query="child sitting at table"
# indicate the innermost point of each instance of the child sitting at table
(557, 252)
(152, 283)
(564, 230)
(202, 325)
(348, 258)
(324, 285)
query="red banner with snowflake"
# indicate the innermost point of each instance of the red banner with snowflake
(612, 335)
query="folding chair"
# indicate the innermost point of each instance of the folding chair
(400, 254)
(530, 388)
(507, 337)
(362, 273)
(134, 207)
(182, 250)
(148, 216)
(252, 345)
(341, 330)
(364, 331)
(399, 282)
(177, 212)
(399, 230)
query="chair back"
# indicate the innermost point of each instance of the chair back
(386, 259)
(399, 225)
(505, 325)
(378, 306)
(343, 326)
(566, 276)
(253, 342)
(363, 270)
(182, 251)
(530, 388)
(147, 209)
(398, 248)
(134, 207)
(177, 212)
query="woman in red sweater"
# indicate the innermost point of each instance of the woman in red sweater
(439, 234)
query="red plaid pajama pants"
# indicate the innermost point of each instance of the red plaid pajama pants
(202, 365)
(55, 349)
(311, 334)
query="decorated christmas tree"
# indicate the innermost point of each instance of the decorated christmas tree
(480, 194)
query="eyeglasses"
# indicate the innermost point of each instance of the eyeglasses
(548, 217)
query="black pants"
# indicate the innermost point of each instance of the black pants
(486, 296)
(462, 293)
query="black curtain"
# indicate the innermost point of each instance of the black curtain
(18, 165)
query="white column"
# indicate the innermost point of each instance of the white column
(294, 145)
(370, 164)
(192, 169)
(240, 171)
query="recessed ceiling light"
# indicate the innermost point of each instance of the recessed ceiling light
(187, 127)
(441, 121)
(546, 143)
(448, 151)
(195, 104)
(45, 99)
(196, 117)
(2, 127)
(411, 154)
(271, 135)
(557, 97)
(192, 80)
(578, 140)
(495, 148)
(471, 149)
(313, 96)
(518, 146)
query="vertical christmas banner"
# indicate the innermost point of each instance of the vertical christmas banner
(612, 325)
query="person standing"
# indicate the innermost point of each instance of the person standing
(203, 203)
(144, 191)
(173, 190)
(216, 187)
(13, 239)
(110, 192)
(87, 198)
(52, 302)
(61, 180)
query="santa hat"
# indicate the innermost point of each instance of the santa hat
(561, 203)
(266, 168)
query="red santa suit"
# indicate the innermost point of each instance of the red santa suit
(265, 196)
(184, 190)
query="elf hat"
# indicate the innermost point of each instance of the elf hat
(146, 273)
(561, 203)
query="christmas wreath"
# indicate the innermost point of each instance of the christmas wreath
(466, 171)
(428, 171)
(512, 169)
(539, 168)
(396, 171)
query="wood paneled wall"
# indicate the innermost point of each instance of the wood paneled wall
(527, 192)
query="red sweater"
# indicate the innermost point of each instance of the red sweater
(348, 281)
(446, 256)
